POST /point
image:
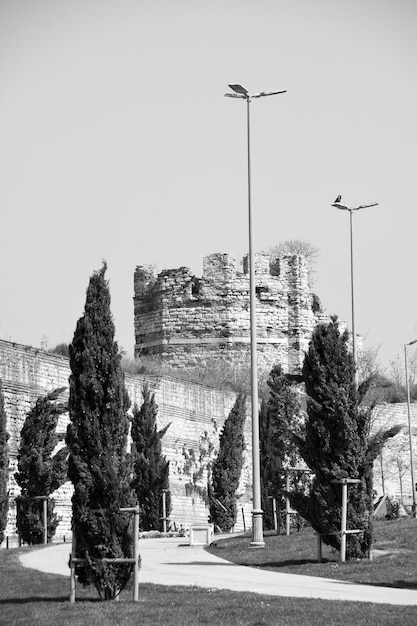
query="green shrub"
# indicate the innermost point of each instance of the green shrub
(336, 443)
(99, 466)
(150, 467)
(40, 470)
(227, 468)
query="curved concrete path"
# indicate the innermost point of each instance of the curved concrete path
(171, 561)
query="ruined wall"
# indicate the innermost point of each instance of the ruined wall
(196, 413)
(190, 320)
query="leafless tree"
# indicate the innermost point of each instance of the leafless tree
(368, 363)
(296, 247)
(397, 369)
(395, 461)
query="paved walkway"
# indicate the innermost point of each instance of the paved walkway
(171, 561)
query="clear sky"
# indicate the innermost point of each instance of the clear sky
(117, 143)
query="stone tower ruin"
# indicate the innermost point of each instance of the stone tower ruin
(192, 321)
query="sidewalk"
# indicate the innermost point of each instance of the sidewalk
(171, 561)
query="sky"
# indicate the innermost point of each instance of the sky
(117, 143)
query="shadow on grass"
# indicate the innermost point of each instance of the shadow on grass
(395, 584)
(30, 599)
(404, 584)
(47, 599)
(289, 562)
(205, 563)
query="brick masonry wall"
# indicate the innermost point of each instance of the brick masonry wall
(196, 413)
(190, 320)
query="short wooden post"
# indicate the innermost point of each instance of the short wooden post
(319, 549)
(279, 520)
(288, 511)
(135, 510)
(72, 570)
(45, 516)
(343, 523)
(287, 506)
(274, 511)
(164, 510)
(136, 555)
(343, 531)
(45, 520)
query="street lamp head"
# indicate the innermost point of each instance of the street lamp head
(239, 89)
(242, 92)
(365, 206)
(236, 95)
(268, 93)
(411, 343)
(342, 207)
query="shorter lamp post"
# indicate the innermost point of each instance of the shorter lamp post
(410, 433)
(338, 205)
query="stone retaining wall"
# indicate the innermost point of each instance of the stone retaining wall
(196, 413)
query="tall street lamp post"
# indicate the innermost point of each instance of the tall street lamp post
(337, 204)
(257, 531)
(410, 433)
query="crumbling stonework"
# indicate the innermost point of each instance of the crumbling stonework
(190, 321)
(196, 413)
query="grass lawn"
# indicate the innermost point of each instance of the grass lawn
(31, 597)
(394, 563)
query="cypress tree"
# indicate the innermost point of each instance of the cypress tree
(227, 468)
(4, 467)
(40, 471)
(99, 467)
(279, 420)
(150, 467)
(336, 443)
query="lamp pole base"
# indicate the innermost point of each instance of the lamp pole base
(257, 530)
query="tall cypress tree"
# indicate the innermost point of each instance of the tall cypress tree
(99, 467)
(279, 420)
(40, 472)
(150, 467)
(4, 467)
(227, 468)
(336, 443)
